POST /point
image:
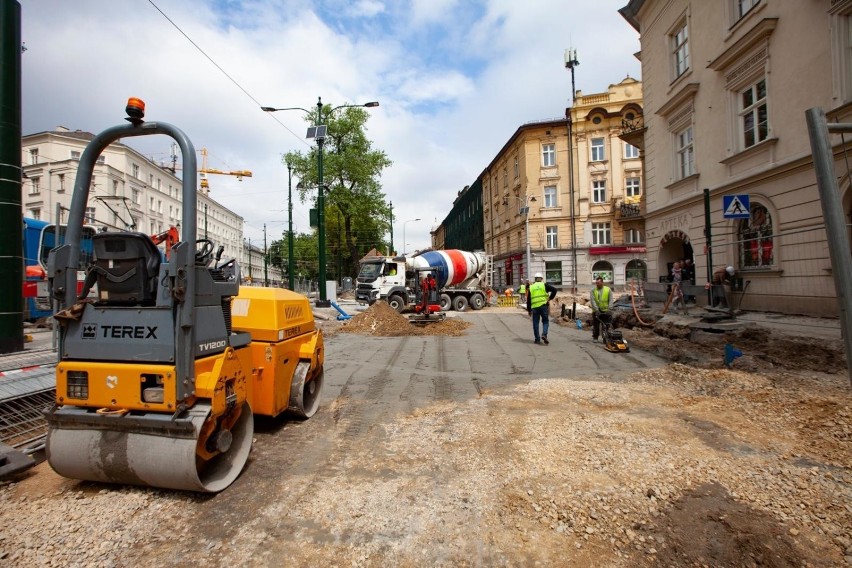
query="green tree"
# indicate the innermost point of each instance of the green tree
(304, 253)
(351, 171)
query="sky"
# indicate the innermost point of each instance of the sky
(454, 79)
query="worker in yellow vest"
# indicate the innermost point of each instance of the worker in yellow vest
(522, 292)
(539, 295)
(601, 300)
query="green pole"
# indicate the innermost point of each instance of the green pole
(708, 236)
(11, 219)
(290, 260)
(391, 227)
(323, 300)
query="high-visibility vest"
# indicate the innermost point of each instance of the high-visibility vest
(538, 294)
(522, 290)
(601, 298)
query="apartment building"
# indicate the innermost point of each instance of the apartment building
(576, 207)
(609, 223)
(128, 192)
(726, 87)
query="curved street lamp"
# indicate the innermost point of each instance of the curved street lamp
(405, 244)
(318, 132)
(525, 209)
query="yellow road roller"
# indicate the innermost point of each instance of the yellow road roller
(161, 369)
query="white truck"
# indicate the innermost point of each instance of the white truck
(462, 279)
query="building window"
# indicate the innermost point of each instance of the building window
(548, 155)
(598, 153)
(151, 180)
(632, 236)
(152, 204)
(685, 153)
(134, 169)
(550, 196)
(841, 43)
(505, 178)
(115, 187)
(136, 196)
(552, 235)
(90, 214)
(636, 269)
(742, 7)
(753, 114)
(553, 272)
(61, 182)
(33, 155)
(755, 240)
(632, 187)
(630, 152)
(517, 168)
(601, 234)
(75, 155)
(680, 50)
(101, 159)
(35, 185)
(599, 191)
(35, 214)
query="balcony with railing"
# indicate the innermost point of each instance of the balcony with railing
(633, 131)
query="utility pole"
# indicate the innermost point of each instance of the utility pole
(290, 261)
(570, 63)
(205, 220)
(265, 254)
(250, 276)
(391, 228)
(11, 220)
(323, 294)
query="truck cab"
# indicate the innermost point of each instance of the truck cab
(383, 278)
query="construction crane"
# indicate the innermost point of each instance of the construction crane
(204, 170)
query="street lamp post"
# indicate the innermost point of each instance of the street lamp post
(391, 228)
(404, 243)
(319, 133)
(290, 260)
(570, 63)
(526, 211)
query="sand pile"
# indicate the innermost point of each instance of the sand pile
(382, 320)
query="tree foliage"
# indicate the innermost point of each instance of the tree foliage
(357, 216)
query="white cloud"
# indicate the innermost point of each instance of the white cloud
(366, 8)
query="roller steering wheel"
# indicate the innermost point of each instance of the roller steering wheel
(202, 255)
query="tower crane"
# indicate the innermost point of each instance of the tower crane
(204, 169)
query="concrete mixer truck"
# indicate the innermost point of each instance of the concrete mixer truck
(462, 279)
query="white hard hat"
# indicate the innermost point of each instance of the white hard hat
(538, 275)
(730, 270)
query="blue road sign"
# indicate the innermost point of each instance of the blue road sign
(735, 206)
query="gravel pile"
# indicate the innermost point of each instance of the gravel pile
(382, 320)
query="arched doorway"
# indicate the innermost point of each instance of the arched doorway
(674, 246)
(603, 269)
(636, 269)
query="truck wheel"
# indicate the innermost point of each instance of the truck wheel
(460, 303)
(477, 301)
(446, 303)
(396, 303)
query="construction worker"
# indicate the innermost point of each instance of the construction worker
(539, 295)
(601, 300)
(721, 277)
(522, 292)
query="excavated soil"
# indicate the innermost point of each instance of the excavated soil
(382, 320)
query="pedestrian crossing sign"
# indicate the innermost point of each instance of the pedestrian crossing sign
(735, 207)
